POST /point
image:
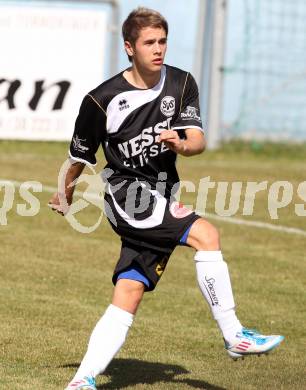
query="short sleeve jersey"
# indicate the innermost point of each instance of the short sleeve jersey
(127, 122)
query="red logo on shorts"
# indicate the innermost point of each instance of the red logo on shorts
(178, 210)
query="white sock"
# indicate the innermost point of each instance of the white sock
(105, 341)
(214, 282)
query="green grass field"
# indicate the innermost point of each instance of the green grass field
(56, 282)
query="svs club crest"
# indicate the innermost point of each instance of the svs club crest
(167, 106)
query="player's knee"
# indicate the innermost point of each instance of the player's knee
(204, 236)
(128, 294)
(212, 238)
(136, 295)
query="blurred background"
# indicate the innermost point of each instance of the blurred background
(248, 57)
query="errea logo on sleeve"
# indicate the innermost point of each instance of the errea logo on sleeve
(167, 106)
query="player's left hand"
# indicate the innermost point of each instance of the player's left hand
(172, 141)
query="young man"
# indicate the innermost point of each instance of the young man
(144, 117)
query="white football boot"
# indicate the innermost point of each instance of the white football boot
(86, 383)
(250, 342)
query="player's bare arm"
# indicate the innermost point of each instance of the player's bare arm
(192, 145)
(60, 201)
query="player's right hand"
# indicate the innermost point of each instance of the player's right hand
(59, 203)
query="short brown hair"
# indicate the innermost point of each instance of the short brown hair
(140, 18)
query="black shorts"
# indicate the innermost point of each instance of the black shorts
(151, 262)
(150, 227)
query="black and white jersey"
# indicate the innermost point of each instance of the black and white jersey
(127, 122)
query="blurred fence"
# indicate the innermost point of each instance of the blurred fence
(265, 71)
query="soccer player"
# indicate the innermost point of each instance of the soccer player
(143, 118)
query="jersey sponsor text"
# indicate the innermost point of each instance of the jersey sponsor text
(144, 145)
